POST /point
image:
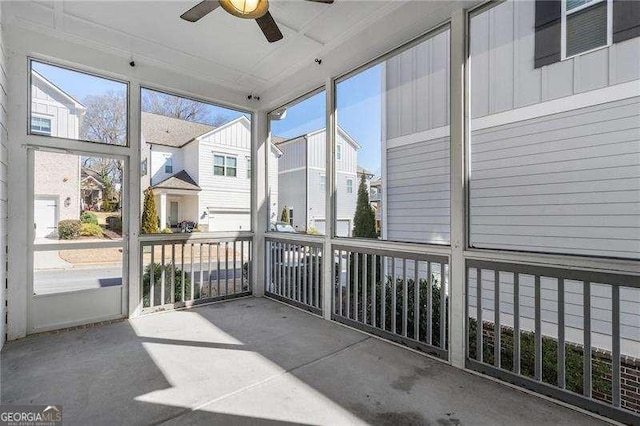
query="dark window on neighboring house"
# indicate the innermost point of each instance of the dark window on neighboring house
(248, 167)
(168, 165)
(564, 29)
(143, 168)
(225, 166)
(349, 186)
(41, 125)
(291, 216)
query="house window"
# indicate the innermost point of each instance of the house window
(168, 165)
(339, 152)
(248, 167)
(585, 26)
(291, 216)
(143, 168)
(41, 125)
(225, 165)
(349, 186)
(323, 183)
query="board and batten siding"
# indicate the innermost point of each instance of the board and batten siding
(503, 76)
(46, 103)
(562, 183)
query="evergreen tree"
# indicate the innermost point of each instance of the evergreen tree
(284, 217)
(149, 214)
(364, 220)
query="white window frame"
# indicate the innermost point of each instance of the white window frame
(563, 25)
(225, 164)
(248, 167)
(168, 164)
(339, 152)
(349, 186)
(323, 183)
(43, 117)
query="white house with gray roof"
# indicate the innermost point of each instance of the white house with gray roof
(199, 173)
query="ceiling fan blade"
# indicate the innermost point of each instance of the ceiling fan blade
(322, 1)
(269, 28)
(200, 10)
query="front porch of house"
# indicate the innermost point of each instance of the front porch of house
(177, 210)
(255, 362)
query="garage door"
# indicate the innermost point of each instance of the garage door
(45, 215)
(343, 227)
(229, 221)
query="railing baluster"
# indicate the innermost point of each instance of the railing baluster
(348, 284)
(383, 293)
(281, 280)
(173, 273)
(209, 274)
(443, 307)
(305, 278)
(162, 276)
(479, 327)
(339, 307)
(299, 272)
(561, 342)
(316, 287)
(516, 323)
(496, 320)
(226, 268)
(250, 267)
(405, 295)
(235, 266)
(152, 281)
(586, 382)
(615, 345)
(365, 303)
(374, 289)
(193, 281)
(393, 295)
(183, 275)
(356, 277)
(416, 300)
(538, 330)
(201, 275)
(218, 273)
(429, 334)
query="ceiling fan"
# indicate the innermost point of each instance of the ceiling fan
(246, 9)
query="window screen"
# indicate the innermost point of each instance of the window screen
(587, 29)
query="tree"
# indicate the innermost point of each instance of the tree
(284, 217)
(106, 118)
(149, 213)
(180, 108)
(364, 220)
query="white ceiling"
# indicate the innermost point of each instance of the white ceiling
(220, 48)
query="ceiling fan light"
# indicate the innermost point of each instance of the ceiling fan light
(248, 9)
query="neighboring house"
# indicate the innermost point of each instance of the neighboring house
(375, 198)
(92, 188)
(302, 180)
(56, 176)
(555, 152)
(199, 173)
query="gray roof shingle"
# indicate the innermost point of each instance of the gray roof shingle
(168, 131)
(180, 180)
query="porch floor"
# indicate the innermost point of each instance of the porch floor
(253, 361)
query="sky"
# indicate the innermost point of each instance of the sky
(359, 108)
(80, 85)
(358, 104)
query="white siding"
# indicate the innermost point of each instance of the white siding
(47, 103)
(159, 155)
(502, 53)
(273, 184)
(224, 192)
(565, 183)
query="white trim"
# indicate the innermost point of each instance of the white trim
(582, 100)
(425, 135)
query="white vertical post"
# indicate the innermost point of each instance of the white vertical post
(131, 221)
(163, 210)
(327, 255)
(458, 190)
(260, 202)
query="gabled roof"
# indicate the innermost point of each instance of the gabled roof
(277, 140)
(87, 173)
(180, 180)
(168, 131)
(58, 90)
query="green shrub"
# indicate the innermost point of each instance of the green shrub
(573, 358)
(167, 231)
(90, 230)
(114, 223)
(69, 229)
(157, 276)
(89, 217)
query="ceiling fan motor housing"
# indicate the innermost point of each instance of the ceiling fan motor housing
(246, 9)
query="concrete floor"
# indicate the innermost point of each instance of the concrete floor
(253, 361)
